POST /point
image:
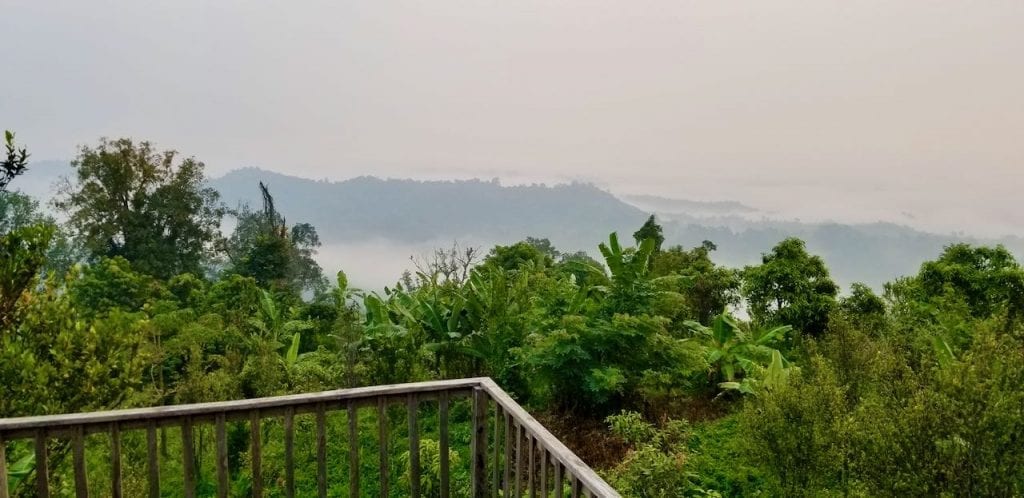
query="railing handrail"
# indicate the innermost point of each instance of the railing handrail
(22, 424)
(480, 388)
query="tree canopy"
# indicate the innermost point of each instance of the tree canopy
(641, 361)
(791, 287)
(127, 199)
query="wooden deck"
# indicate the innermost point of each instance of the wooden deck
(512, 454)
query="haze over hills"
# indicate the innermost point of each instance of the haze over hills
(403, 217)
(371, 226)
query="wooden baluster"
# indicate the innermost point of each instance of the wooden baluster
(442, 409)
(321, 450)
(532, 445)
(495, 471)
(382, 419)
(115, 460)
(508, 455)
(3, 467)
(478, 470)
(575, 487)
(153, 460)
(188, 457)
(544, 472)
(289, 452)
(256, 454)
(78, 455)
(414, 446)
(559, 482)
(222, 455)
(519, 460)
(42, 466)
(353, 450)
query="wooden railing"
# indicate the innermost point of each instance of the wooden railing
(511, 453)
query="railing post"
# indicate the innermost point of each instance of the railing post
(413, 402)
(3, 467)
(442, 409)
(152, 459)
(479, 470)
(115, 460)
(382, 420)
(42, 466)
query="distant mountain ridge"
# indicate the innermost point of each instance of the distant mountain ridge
(672, 205)
(412, 210)
(575, 216)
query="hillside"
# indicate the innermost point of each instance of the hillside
(416, 211)
(408, 215)
(575, 217)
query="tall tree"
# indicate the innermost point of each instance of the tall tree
(14, 164)
(264, 247)
(126, 199)
(790, 287)
(650, 230)
(707, 289)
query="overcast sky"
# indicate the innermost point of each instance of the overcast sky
(911, 111)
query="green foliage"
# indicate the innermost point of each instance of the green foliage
(790, 287)
(129, 200)
(657, 465)
(55, 361)
(735, 353)
(262, 246)
(650, 230)
(598, 366)
(940, 431)
(22, 254)
(706, 288)
(110, 284)
(537, 253)
(15, 163)
(916, 393)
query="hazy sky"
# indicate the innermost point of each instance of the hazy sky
(855, 110)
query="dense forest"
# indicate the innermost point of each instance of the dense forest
(671, 374)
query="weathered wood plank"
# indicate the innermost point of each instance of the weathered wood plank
(116, 487)
(321, 451)
(385, 467)
(153, 461)
(188, 458)
(42, 466)
(573, 465)
(442, 409)
(235, 410)
(519, 460)
(559, 480)
(532, 466)
(256, 454)
(353, 451)
(78, 458)
(496, 463)
(289, 453)
(544, 458)
(3, 467)
(478, 470)
(220, 429)
(414, 446)
(538, 441)
(507, 481)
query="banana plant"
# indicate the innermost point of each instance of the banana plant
(735, 351)
(274, 324)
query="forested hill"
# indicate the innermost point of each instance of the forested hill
(414, 211)
(574, 217)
